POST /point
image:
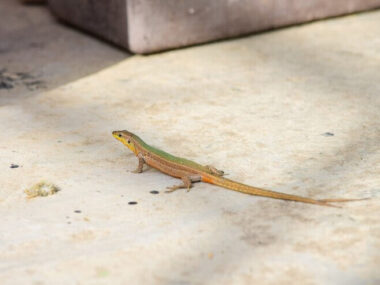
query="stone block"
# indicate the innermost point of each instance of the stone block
(146, 26)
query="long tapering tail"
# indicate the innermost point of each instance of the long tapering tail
(236, 186)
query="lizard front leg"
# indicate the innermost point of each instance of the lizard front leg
(187, 183)
(139, 168)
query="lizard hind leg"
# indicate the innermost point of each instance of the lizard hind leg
(187, 183)
(215, 171)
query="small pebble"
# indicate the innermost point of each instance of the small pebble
(154, 192)
(78, 211)
(132, 203)
(14, 166)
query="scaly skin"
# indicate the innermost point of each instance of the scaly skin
(190, 171)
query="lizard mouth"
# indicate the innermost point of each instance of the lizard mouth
(117, 136)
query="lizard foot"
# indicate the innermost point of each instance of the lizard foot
(173, 188)
(187, 183)
(176, 187)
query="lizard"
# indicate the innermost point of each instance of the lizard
(190, 172)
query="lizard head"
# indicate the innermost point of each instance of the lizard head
(126, 138)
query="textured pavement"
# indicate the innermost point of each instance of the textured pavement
(294, 110)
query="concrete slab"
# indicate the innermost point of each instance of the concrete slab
(146, 26)
(295, 110)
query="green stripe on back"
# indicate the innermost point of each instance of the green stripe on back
(170, 157)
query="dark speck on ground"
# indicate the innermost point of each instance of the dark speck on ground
(328, 134)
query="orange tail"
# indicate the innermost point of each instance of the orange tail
(236, 186)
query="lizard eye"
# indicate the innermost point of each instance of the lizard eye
(119, 135)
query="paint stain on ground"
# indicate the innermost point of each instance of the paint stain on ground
(41, 189)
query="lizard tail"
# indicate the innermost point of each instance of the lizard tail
(236, 186)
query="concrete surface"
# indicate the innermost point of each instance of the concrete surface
(295, 110)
